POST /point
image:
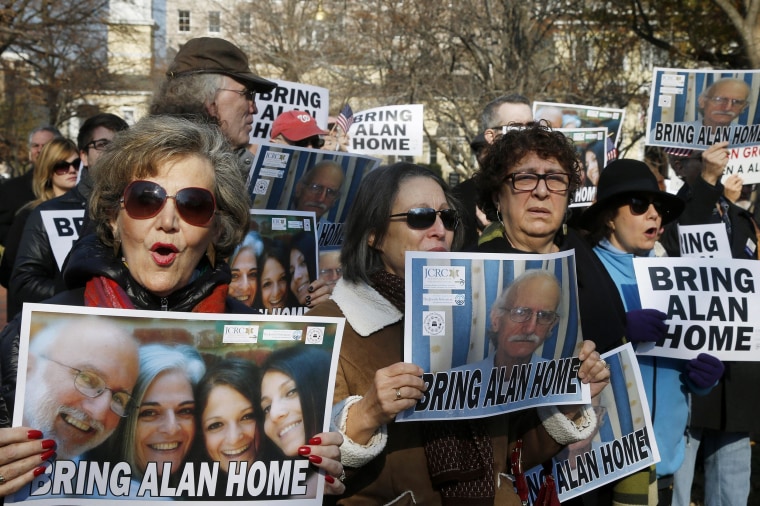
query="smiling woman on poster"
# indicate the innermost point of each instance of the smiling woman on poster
(166, 211)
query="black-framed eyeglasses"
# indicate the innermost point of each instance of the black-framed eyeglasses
(145, 199)
(318, 189)
(62, 167)
(556, 182)
(246, 94)
(315, 142)
(735, 102)
(422, 218)
(98, 144)
(640, 205)
(523, 314)
(91, 385)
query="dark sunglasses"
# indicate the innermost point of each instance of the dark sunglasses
(62, 167)
(422, 218)
(315, 141)
(145, 199)
(640, 205)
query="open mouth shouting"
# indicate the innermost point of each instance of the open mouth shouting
(163, 254)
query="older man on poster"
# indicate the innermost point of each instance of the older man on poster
(79, 382)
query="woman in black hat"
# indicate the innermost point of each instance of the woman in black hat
(624, 223)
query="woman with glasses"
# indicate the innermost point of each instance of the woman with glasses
(624, 223)
(400, 208)
(165, 213)
(55, 173)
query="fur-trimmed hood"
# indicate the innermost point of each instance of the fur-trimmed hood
(364, 308)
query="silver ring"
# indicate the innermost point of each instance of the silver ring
(2, 479)
(398, 394)
(342, 476)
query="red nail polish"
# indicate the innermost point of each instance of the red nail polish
(329, 479)
(304, 450)
(39, 470)
(34, 434)
(48, 444)
(315, 459)
(47, 455)
(316, 441)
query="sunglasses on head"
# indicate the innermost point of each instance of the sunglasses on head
(62, 167)
(145, 199)
(422, 218)
(640, 205)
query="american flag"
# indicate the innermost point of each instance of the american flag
(345, 118)
(683, 152)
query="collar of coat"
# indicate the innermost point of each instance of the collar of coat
(364, 308)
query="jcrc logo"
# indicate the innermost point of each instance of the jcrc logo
(442, 276)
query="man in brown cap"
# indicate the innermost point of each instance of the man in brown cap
(210, 79)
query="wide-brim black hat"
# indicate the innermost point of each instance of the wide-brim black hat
(212, 55)
(624, 177)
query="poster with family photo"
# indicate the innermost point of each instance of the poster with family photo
(591, 147)
(582, 116)
(622, 443)
(493, 333)
(693, 109)
(277, 260)
(303, 179)
(148, 405)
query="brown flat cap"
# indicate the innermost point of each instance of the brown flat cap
(212, 55)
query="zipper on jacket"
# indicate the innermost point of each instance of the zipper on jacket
(164, 304)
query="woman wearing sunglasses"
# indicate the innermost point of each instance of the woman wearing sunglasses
(55, 174)
(625, 222)
(400, 208)
(166, 209)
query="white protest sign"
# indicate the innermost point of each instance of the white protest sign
(745, 163)
(62, 228)
(287, 97)
(704, 241)
(707, 302)
(389, 130)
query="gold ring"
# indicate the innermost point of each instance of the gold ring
(606, 365)
(342, 476)
(398, 394)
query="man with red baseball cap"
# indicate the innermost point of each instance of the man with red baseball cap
(210, 79)
(297, 128)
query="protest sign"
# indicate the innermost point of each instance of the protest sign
(276, 181)
(694, 109)
(62, 228)
(201, 374)
(289, 96)
(484, 350)
(591, 146)
(708, 306)
(285, 243)
(622, 443)
(704, 241)
(388, 130)
(582, 116)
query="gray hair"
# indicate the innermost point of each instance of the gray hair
(140, 151)
(46, 128)
(155, 359)
(187, 95)
(488, 116)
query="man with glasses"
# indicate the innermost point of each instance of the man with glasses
(210, 79)
(722, 102)
(78, 398)
(36, 275)
(319, 189)
(16, 192)
(297, 128)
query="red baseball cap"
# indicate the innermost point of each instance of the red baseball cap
(296, 126)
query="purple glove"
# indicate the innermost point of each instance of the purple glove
(704, 370)
(645, 325)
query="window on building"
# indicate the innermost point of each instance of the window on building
(245, 22)
(184, 21)
(214, 22)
